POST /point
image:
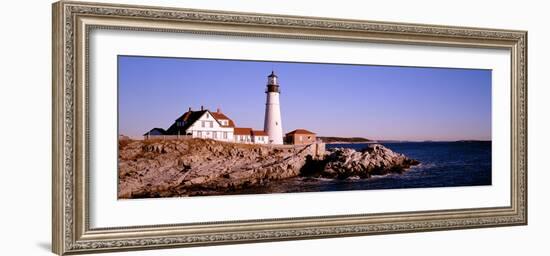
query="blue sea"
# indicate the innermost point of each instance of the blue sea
(442, 164)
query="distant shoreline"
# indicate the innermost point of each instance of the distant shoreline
(342, 140)
(389, 141)
(357, 142)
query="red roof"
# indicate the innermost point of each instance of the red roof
(192, 116)
(242, 131)
(300, 131)
(259, 133)
(248, 131)
(220, 116)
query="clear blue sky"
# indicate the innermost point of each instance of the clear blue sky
(376, 102)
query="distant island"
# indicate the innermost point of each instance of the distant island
(473, 141)
(335, 140)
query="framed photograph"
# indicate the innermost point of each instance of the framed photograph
(179, 127)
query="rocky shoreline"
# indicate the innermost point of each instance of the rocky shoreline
(168, 168)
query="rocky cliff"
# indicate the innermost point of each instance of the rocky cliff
(164, 168)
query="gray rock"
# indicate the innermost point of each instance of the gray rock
(197, 167)
(374, 160)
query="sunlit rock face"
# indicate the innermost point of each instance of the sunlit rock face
(168, 168)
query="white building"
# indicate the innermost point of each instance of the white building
(260, 137)
(203, 124)
(272, 122)
(247, 135)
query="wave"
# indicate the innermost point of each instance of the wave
(312, 179)
(424, 166)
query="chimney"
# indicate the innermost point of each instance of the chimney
(218, 110)
(189, 109)
(202, 107)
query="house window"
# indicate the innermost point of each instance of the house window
(199, 134)
(207, 115)
(225, 135)
(300, 138)
(214, 135)
(203, 123)
(211, 124)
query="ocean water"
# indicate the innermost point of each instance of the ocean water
(442, 164)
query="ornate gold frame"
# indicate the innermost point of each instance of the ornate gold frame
(72, 22)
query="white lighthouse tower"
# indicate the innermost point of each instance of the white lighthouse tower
(272, 124)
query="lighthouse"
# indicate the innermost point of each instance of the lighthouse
(272, 123)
